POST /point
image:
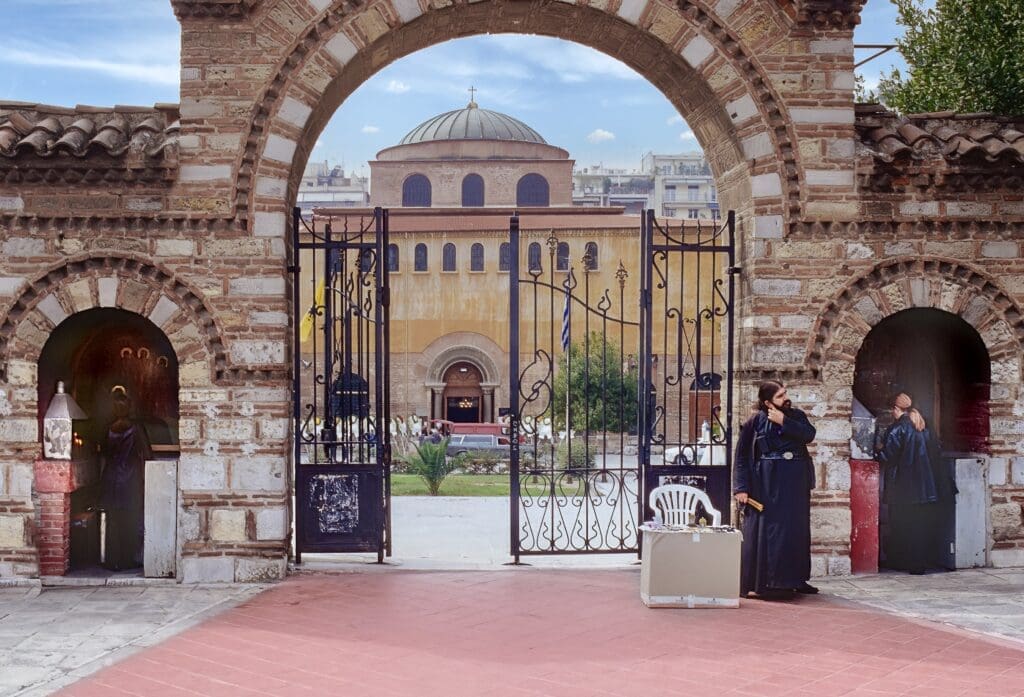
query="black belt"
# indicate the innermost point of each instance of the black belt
(779, 456)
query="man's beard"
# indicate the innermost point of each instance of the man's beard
(787, 405)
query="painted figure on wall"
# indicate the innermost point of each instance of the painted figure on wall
(122, 485)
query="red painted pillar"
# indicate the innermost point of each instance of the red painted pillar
(55, 480)
(864, 514)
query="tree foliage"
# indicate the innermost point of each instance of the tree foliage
(963, 55)
(602, 389)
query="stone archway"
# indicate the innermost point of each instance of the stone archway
(702, 61)
(472, 349)
(890, 288)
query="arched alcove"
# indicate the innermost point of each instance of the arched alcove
(941, 362)
(462, 393)
(93, 351)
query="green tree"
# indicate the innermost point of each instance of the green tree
(602, 389)
(963, 55)
(430, 462)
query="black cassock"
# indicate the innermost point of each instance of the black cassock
(773, 467)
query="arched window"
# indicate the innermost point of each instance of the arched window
(476, 257)
(416, 191)
(532, 190)
(420, 261)
(448, 257)
(562, 257)
(504, 261)
(534, 257)
(472, 191)
(392, 257)
(590, 256)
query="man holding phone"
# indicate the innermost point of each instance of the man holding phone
(773, 479)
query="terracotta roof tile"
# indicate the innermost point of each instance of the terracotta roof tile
(960, 139)
(28, 130)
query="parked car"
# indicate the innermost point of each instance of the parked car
(460, 444)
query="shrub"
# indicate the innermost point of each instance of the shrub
(430, 462)
(581, 458)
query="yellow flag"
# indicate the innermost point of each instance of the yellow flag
(309, 319)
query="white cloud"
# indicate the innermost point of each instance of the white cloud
(570, 62)
(687, 135)
(599, 135)
(370, 129)
(160, 73)
(397, 87)
(673, 120)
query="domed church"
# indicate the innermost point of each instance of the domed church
(471, 158)
(450, 186)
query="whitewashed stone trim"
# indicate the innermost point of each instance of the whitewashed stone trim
(319, 5)
(207, 570)
(108, 291)
(204, 173)
(279, 149)
(294, 112)
(830, 115)
(164, 310)
(630, 10)
(697, 51)
(744, 109)
(408, 10)
(341, 48)
(724, 8)
(254, 352)
(776, 287)
(919, 208)
(758, 145)
(52, 310)
(768, 226)
(257, 285)
(269, 224)
(11, 203)
(271, 187)
(766, 185)
(9, 285)
(829, 177)
(842, 47)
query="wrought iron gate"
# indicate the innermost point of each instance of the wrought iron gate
(342, 449)
(686, 334)
(571, 493)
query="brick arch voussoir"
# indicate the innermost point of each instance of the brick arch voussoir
(840, 312)
(52, 282)
(310, 42)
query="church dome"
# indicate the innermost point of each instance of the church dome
(472, 123)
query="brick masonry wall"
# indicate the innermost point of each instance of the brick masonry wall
(203, 255)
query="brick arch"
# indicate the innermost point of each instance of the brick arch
(741, 122)
(112, 280)
(901, 284)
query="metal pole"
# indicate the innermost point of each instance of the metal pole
(513, 348)
(296, 381)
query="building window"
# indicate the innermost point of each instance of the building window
(503, 257)
(532, 190)
(533, 255)
(416, 191)
(472, 191)
(714, 194)
(476, 257)
(420, 261)
(590, 257)
(448, 257)
(393, 257)
(693, 213)
(562, 257)
(693, 193)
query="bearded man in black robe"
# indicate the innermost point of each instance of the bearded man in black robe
(774, 469)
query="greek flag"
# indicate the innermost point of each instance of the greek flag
(565, 324)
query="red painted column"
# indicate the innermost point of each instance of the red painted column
(864, 514)
(55, 480)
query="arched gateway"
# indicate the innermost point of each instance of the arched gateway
(186, 207)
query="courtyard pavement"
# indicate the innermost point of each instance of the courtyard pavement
(446, 617)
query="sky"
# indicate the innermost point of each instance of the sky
(105, 52)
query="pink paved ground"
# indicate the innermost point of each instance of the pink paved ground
(539, 632)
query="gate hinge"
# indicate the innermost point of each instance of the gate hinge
(734, 270)
(292, 268)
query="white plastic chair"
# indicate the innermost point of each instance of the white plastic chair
(678, 502)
